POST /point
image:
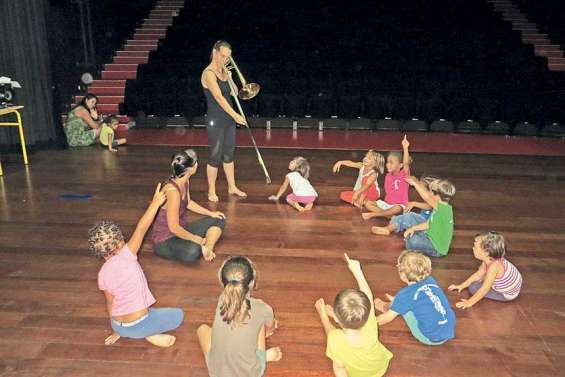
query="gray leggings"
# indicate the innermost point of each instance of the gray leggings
(186, 251)
(221, 140)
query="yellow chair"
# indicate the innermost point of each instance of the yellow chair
(18, 123)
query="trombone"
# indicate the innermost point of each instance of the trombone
(247, 91)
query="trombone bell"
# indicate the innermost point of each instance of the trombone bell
(248, 90)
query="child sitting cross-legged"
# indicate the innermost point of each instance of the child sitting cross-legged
(354, 348)
(422, 303)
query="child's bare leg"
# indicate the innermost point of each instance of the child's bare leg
(161, 340)
(122, 141)
(308, 206)
(383, 230)
(204, 334)
(375, 211)
(273, 353)
(295, 205)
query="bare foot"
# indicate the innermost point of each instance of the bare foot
(274, 354)
(308, 206)
(367, 215)
(208, 253)
(111, 339)
(237, 192)
(161, 340)
(381, 231)
(296, 206)
(213, 197)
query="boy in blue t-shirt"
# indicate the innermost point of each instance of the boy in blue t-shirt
(422, 304)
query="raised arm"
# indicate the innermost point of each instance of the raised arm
(350, 164)
(406, 156)
(355, 268)
(424, 193)
(146, 220)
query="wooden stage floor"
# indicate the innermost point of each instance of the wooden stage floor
(53, 320)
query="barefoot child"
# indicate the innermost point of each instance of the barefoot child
(366, 186)
(355, 348)
(422, 303)
(432, 236)
(109, 127)
(496, 279)
(396, 187)
(235, 345)
(303, 194)
(128, 298)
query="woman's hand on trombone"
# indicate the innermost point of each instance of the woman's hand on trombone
(240, 120)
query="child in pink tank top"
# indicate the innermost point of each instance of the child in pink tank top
(121, 278)
(396, 187)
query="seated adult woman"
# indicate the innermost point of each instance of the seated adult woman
(83, 123)
(172, 237)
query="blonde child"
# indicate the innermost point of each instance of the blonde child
(422, 303)
(366, 187)
(425, 208)
(354, 348)
(396, 187)
(107, 134)
(128, 298)
(496, 279)
(303, 194)
(235, 345)
(433, 236)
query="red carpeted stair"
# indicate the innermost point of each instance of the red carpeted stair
(530, 34)
(111, 88)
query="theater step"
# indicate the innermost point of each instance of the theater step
(148, 37)
(131, 60)
(107, 91)
(157, 23)
(122, 75)
(108, 83)
(134, 42)
(132, 54)
(121, 67)
(549, 54)
(108, 108)
(144, 48)
(104, 99)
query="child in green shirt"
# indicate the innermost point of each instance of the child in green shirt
(107, 134)
(432, 236)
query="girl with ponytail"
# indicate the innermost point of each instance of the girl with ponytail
(172, 237)
(235, 345)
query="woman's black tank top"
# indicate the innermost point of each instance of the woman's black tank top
(215, 115)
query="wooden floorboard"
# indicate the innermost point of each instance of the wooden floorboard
(53, 320)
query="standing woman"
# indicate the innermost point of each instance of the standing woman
(172, 237)
(220, 120)
(83, 123)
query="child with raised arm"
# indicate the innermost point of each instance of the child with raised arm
(107, 132)
(396, 187)
(496, 279)
(422, 303)
(303, 194)
(354, 348)
(235, 345)
(425, 208)
(433, 236)
(128, 298)
(366, 187)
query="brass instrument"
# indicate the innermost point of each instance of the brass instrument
(248, 90)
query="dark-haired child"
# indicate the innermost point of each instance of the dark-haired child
(128, 298)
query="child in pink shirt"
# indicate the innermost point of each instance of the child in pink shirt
(128, 298)
(396, 187)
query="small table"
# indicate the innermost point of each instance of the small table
(18, 123)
